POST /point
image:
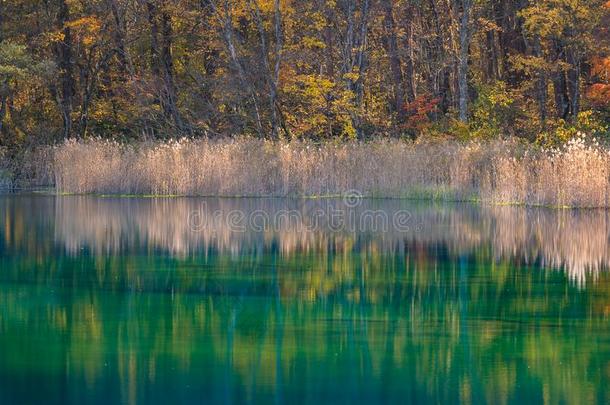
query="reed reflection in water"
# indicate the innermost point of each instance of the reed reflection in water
(107, 300)
(575, 241)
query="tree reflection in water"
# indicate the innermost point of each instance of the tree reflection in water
(121, 300)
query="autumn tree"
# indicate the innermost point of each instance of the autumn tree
(289, 69)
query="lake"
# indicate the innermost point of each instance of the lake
(348, 300)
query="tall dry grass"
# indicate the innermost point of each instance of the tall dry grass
(28, 168)
(5, 178)
(577, 174)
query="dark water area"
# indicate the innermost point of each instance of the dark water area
(191, 300)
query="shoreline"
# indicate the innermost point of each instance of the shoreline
(475, 202)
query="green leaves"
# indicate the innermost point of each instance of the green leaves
(16, 63)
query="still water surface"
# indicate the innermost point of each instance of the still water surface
(108, 300)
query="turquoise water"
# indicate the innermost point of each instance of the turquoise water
(108, 300)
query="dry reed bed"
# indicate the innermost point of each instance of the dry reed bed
(5, 181)
(577, 174)
(30, 167)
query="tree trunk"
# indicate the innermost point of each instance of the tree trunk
(66, 69)
(154, 38)
(226, 18)
(574, 83)
(119, 38)
(162, 62)
(272, 75)
(328, 39)
(4, 88)
(279, 43)
(560, 85)
(3, 99)
(491, 66)
(360, 55)
(391, 45)
(562, 101)
(328, 63)
(1, 21)
(356, 38)
(441, 73)
(464, 31)
(167, 63)
(409, 62)
(541, 86)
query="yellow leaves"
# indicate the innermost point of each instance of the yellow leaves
(553, 18)
(312, 43)
(89, 23)
(87, 29)
(544, 21)
(488, 25)
(55, 36)
(529, 64)
(352, 76)
(319, 105)
(314, 87)
(317, 21)
(266, 6)
(349, 131)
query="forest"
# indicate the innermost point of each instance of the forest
(315, 69)
(291, 81)
(305, 201)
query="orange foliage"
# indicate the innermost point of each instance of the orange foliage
(599, 95)
(600, 66)
(418, 112)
